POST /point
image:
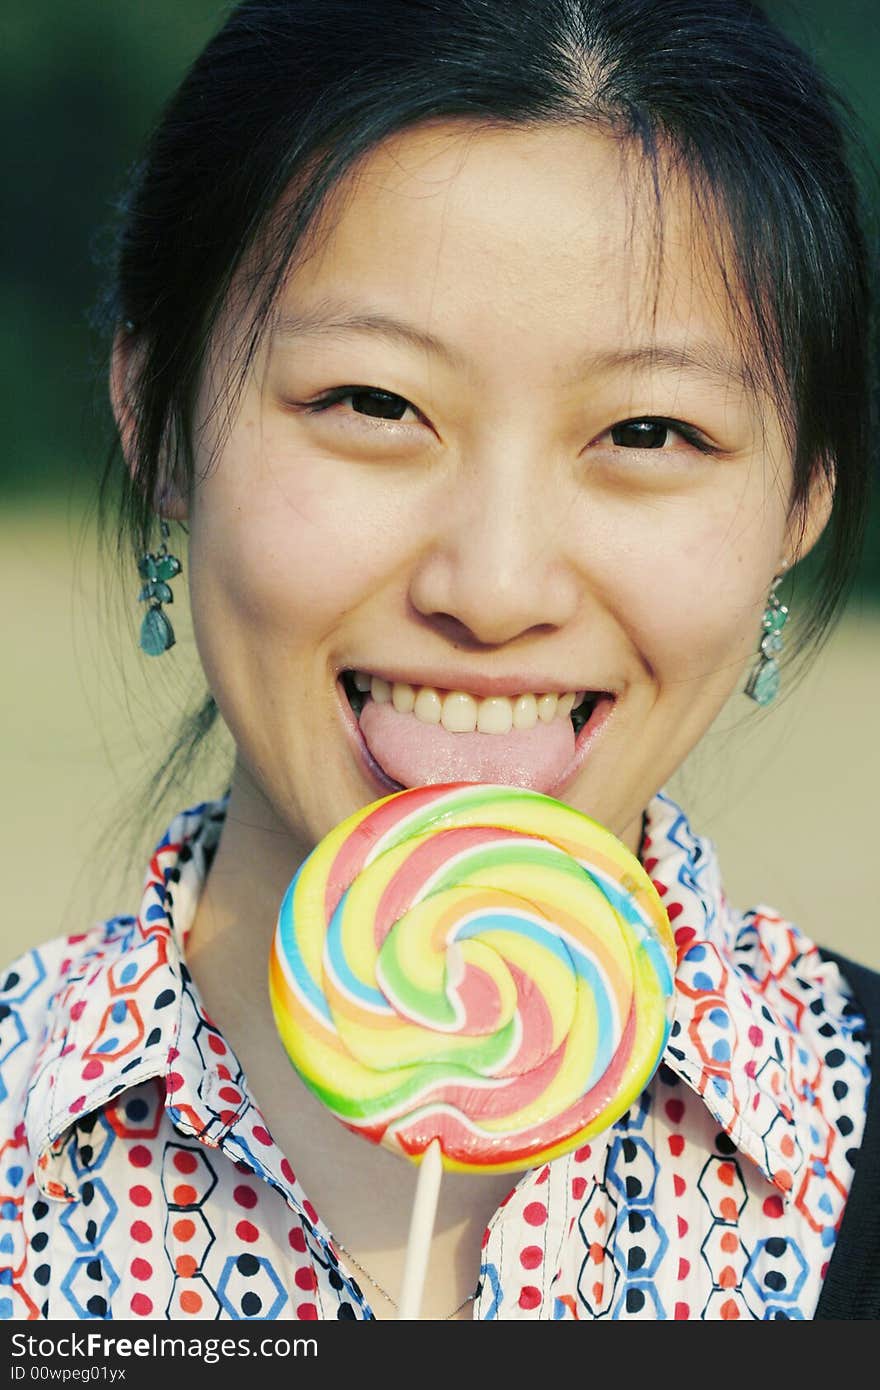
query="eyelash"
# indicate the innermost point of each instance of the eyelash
(340, 393)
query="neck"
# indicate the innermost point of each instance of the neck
(256, 858)
(230, 938)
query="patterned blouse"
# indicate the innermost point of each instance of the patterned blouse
(138, 1179)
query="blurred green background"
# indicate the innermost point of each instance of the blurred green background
(788, 795)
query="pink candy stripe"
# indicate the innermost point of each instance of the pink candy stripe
(461, 1144)
(536, 1046)
(353, 852)
(480, 1002)
(424, 861)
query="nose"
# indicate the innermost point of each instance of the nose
(498, 564)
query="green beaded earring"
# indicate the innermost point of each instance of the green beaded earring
(763, 683)
(157, 634)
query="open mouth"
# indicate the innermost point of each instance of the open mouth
(416, 735)
(431, 706)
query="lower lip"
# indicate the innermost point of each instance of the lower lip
(584, 745)
(383, 782)
(586, 742)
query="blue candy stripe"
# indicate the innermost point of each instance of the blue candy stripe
(623, 903)
(643, 926)
(290, 958)
(509, 919)
(660, 964)
(335, 964)
(572, 954)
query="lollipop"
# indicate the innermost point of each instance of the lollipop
(473, 970)
(472, 974)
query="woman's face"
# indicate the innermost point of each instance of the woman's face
(478, 461)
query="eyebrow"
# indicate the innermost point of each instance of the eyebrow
(701, 358)
(331, 321)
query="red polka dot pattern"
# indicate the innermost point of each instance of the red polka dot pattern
(535, 1214)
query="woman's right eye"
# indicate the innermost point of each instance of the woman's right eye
(370, 401)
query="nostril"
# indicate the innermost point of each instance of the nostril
(458, 634)
(466, 638)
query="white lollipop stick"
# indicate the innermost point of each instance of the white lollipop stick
(421, 1229)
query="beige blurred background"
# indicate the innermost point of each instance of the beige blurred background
(788, 795)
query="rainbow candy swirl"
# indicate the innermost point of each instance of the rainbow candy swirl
(475, 963)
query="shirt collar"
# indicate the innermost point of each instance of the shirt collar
(127, 1011)
(122, 1014)
(743, 982)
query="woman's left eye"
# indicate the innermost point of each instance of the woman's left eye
(640, 434)
(365, 400)
(654, 433)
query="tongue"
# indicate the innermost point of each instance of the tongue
(416, 754)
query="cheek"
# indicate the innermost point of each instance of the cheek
(287, 545)
(692, 592)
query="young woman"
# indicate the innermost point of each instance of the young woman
(495, 361)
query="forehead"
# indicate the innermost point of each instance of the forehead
(559, 230)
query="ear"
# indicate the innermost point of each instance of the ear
(801, 538)
(125, 363)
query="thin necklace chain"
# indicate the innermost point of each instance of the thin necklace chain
(378, 1287)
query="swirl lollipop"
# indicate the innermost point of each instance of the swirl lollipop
(478, 975)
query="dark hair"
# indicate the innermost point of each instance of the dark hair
(292, 93)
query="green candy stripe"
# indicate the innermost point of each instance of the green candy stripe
(542, 854)
(426, 1075)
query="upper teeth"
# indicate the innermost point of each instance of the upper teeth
(461, 713)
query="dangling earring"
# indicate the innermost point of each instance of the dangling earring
(157, 634)
(763, 683)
